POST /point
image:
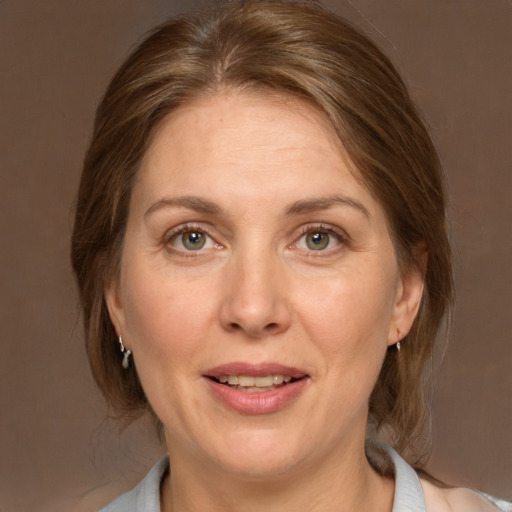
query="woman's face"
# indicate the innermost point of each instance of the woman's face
(253, 255)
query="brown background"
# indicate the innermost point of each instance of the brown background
(55, 59)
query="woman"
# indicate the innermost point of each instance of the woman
(261, 251)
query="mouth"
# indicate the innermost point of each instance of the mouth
(261, 382)
(256, 389)
(255, 384)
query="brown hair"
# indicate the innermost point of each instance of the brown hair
(286, 47)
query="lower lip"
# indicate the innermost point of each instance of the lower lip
(264, 402)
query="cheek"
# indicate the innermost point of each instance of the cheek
(348, 317)
(349, 311)
(167, 321)
(165, 316)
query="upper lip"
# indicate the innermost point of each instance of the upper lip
(254, 370)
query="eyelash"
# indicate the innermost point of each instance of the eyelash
(169, 237)
(340, 236)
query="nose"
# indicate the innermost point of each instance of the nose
(254, 300)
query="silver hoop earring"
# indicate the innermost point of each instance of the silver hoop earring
(126, 354)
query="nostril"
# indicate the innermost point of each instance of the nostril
(270, 328)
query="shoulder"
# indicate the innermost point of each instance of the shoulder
(145, 497)
(93, 499)
(458, 499)
(415, 493)
(127, 501)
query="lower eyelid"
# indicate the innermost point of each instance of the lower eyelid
(332, 236)
(173, 234)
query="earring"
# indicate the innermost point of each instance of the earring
(398, 346)
(126, 354)
(398, 335)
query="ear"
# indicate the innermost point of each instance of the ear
(115, 308)
(408, 300)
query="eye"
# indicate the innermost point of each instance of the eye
(319, 239)
(193, 240)
(189, 238)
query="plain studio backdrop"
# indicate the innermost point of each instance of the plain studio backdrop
(56, 58)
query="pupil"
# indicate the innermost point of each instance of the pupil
(317, 241)
(193, 240)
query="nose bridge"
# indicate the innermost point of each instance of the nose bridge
(255, 299)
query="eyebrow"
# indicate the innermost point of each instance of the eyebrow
(324, 203)
(303, 206)
(191, 202)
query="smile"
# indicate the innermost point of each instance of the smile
(251, 384)
(256, 389)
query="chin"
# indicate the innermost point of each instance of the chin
(259, 456)
(260, 468)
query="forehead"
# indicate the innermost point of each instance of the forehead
(247, 121)
(250, 145)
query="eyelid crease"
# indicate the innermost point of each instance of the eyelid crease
(341, 236)
(184, 228)
(328, 228)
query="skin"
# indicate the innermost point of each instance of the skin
(258, 292)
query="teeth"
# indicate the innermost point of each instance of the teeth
(247, 381)
(277, 379)
(264, 382)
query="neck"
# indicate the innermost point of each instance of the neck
(341, 484)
